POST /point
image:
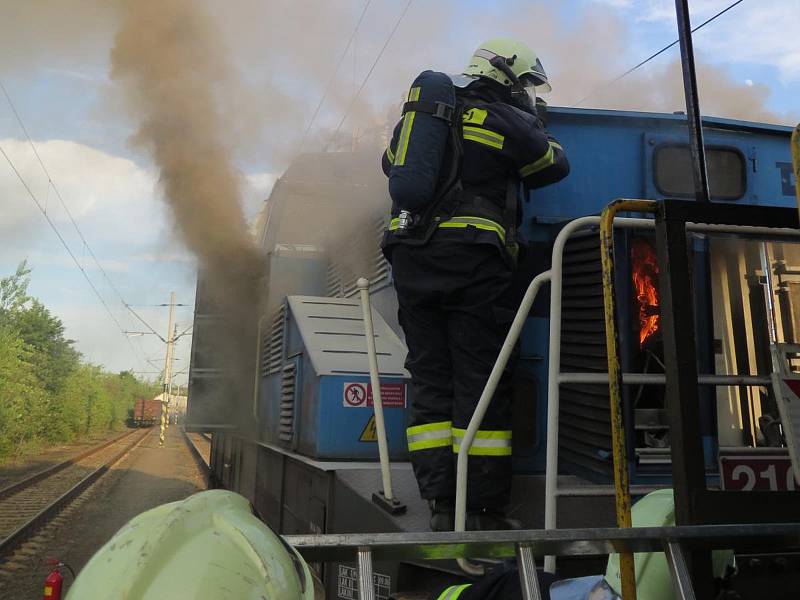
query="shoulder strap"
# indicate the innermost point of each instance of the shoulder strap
(440, 110)
(510, 211)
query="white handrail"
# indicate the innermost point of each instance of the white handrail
(488, 392)
(554, 375)
(554, 275)
(375, 380)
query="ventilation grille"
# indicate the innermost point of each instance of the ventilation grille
(585, 427)
(286, 426)
(272, 343)
(341, 280)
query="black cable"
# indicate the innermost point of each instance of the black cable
(333, 77)
(652, 56)
(52, 184)
(369, 73)
(68, 249)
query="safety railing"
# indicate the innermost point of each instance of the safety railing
(384, 498)
(556, 377)
(527, 545)
(796, 162)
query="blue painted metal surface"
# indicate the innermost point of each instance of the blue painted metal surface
(611, 154)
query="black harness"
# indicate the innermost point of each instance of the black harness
(450, 197)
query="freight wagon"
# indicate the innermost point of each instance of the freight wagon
(146, 413)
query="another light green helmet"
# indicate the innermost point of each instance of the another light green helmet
(653, 579)
(520, 58)
(206, 547)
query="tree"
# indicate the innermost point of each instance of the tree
(14, 290)
(47, 395)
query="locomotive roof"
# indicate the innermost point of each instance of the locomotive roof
(677, 117)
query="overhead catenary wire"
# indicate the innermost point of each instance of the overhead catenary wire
(369, 73)
(68, 249)
(52, 183)
(333, 76)
(652, 56)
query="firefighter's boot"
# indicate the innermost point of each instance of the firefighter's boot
(443, 515)
(490, 520)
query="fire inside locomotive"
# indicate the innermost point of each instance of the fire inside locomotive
(644, 272)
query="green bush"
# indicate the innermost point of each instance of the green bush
(48, 394)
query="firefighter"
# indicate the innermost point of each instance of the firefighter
(452, 272)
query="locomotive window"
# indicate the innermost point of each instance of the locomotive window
(726, 172)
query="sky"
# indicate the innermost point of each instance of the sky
(55, 66)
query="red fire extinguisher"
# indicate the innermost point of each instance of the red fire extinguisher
(55, 580)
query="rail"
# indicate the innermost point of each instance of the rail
(796, 162)
(38, 476)
(556, 377)
(483, 404)
(407, 546)
(619, 453)
(198, 457)
(17, 536)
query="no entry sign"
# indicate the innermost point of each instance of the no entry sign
(359, 395)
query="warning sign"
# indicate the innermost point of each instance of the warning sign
(358, 395)
(347, 584)
(355, 395)
(370, 433)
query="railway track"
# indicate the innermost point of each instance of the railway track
(29, 504)
(200, 447)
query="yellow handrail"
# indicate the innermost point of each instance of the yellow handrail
(796, 162)
(621, 484)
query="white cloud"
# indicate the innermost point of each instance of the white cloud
(759, 33)
(91, 183)
(119, 211)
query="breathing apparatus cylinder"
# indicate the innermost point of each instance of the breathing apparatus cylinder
(421, 145)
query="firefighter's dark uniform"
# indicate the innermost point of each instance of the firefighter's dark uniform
(449, 290)
(500, 584)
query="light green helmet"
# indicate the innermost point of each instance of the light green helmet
(653, 579)
(522, 61)
(206, 547)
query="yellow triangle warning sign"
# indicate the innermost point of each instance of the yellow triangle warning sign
(370, 434)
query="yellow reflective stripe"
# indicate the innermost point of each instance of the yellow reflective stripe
(405, 131)
(461, 223)
(438, 426)
(475, 115)
(390, 154)
(453, 592)
(430, 435)
(501, 434)
(478, 222)
(484, 136)
(545, 161)
(556, 145)
(486, 443)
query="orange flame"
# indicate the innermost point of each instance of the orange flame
(645, 276)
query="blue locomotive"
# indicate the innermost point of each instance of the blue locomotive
(307, 457)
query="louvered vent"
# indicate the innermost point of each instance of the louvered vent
(333, 283)
(272, 343)
(585, 428)
(341, 281)
(286, 427)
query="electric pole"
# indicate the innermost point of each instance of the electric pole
(171, 370)
(167, 370)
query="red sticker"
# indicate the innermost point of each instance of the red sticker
(359, 395)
